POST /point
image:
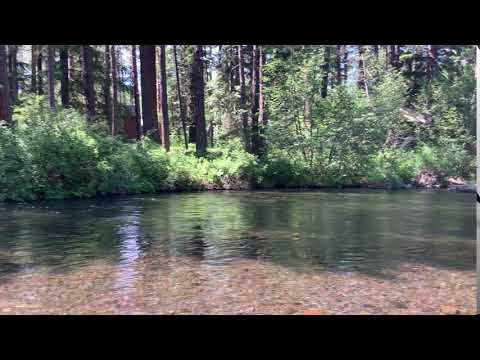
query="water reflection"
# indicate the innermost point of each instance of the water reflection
(130, 251)
(363, 231)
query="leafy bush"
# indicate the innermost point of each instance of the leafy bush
(226, 167)
(57, 155)
(280, 171)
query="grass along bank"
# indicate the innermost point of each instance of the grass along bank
(58, 155)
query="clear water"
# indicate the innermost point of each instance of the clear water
(362, 231)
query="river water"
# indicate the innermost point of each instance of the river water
(280, 252)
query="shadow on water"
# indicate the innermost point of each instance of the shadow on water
(370, 232)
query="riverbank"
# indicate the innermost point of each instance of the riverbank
(61, 156)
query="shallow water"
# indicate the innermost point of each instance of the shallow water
(127, 250)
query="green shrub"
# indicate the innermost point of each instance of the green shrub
(57, 155)
(280, 171)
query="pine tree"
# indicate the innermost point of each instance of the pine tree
(88, 86)
(164, 99)
(5, 111)
(243, 99)
(149, 91)
(254, 105)
(65, 81)
(13, 72)
(136, 96)
(181, 103)
(40, 69)
(115, 107)
(33, 88)
(51, 76)
(325, 72)
(107, 89)
(198, 100)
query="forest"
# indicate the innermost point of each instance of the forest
(80, 121)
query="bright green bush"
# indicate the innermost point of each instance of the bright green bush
(58, 155)
(228, 166)
(281, 171)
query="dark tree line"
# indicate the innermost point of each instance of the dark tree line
(168, 85)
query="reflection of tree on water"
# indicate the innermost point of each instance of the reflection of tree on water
(129, 234)
(196, 246)
(376, 230)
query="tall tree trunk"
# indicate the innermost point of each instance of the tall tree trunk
(89, 90)
(180, 98)
(432, 61)
(115, 108)
(361, 72)
(71, 65)
(198, 100)
(106, 89)
(121, 94)
(262, 115)
(12, 66)
(387, 56)
(243, 99)
(231, 68)
(255, 101)
(393, 56)
(325, 71)
(34, 69)
(149, 91)
(164, 100)
(345, 64)
(375, 51)
(136, 98)
(398, 52)
(362, 81)
(51, 76)
(39, 69)
(64, 82)
(338, 64)
(5, 111)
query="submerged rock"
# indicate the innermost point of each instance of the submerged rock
(428, 179)
(459, 184)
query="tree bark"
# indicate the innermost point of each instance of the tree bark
(149, 91)
(39, 69)
(115, 109)
(393, 56)
(325, 71)
(71, 65)
(243, 100)
(180, 99)
(432, 60)
(12, 66)
(338, 64)
(262, 115)
(164, 100)
(5, 111)
(64, 81)
(106, 89)
(255, 101)
(136, 97)
(345, 64)
(89, 90)
(33, 88)
(51, 76)
(361, 72)
(198, 100)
